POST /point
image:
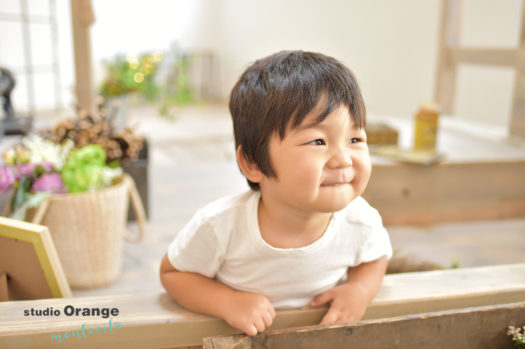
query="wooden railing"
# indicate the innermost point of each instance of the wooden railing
(156, 321)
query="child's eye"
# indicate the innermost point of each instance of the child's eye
(317, 142)
(355, 140)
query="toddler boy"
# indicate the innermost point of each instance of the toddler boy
(302, 235)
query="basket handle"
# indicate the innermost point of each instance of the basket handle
(40, 212)
(138, 208)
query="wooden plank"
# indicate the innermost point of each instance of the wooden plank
(4, 290)
(517, 117)
(156, 321)
(486, 56)
(82, 17)
(445, 91)
(421, 195)
(482, 327)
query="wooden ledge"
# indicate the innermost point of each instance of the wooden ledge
(154, 320)
(479, 327)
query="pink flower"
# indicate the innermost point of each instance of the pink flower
(47, 166)
(29, 169)
(7, 178)
(50, 182)
(25, 169)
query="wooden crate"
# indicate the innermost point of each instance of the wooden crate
(380, 133)
(481, 177)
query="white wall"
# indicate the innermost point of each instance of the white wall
(390, 45)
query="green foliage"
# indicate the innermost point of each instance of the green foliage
(125, 76)
(83, 168)
(518, 337)
(20, 195)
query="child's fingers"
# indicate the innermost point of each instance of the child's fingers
(267, 318)
(271, 309)
(329, 318)
(249, 329)
(259, 325)
(323, 298)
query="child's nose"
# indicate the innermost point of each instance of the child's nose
(340, 158)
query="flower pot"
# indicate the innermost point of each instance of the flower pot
(88, 229)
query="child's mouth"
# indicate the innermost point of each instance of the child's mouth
(338, 178)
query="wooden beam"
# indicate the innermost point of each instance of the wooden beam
(82, 18)
(517, 117)
(486, 56)
(481, 327)
(445, 91)
(4, 289)
(157, 321)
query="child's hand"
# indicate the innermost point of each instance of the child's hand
(348, 303)
(249, 312)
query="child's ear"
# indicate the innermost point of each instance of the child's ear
(249, 168)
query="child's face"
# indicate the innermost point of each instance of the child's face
(320, 167)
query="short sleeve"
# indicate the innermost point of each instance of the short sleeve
(195, 248)
(376, 245)
(373, 240)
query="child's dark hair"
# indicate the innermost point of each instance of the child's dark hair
(278, 91)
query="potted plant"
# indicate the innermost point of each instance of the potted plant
(72, 181)
(128, 75)
(124, 147)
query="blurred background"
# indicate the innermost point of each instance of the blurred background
(391, 45)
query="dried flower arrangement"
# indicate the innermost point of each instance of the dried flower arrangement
(122, 146)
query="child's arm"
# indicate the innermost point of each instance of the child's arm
(248, 312)
(348, 302)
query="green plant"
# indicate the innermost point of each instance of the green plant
(133, 74)
(518, 337)
(39, 167)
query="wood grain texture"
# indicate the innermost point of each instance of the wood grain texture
(422, 195)
(482, 327)
(155, 320)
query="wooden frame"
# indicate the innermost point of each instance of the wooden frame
(29, 263)
(481, 327)
(156, 321)
(451, 54)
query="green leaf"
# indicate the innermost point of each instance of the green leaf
(33, 201)
(19, 197)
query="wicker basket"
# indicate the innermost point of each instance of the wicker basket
(87, 229)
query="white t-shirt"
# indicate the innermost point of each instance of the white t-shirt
(223, 241)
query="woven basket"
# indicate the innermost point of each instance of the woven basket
(88, 229)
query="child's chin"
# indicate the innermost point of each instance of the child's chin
(333, 205)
